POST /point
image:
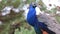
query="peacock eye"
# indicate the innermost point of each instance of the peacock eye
(34, 4)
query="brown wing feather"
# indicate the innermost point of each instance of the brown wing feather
(44, 32)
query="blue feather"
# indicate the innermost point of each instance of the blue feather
(33, 21)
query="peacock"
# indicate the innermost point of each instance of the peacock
(42, 22)
(39, 26)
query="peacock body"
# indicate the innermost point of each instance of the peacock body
(33, 21)
(43, 23)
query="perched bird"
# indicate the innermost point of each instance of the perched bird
(40, 27)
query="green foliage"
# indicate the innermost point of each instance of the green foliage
(16, 3)
(25, 31)
(2, 4)
(9, 20)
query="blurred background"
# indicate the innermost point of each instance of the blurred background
(12, 19)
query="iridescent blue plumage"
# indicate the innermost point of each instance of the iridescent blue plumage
(33, 21)
(31, 17)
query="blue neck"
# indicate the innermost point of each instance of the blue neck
(31, 17)
(33, 21)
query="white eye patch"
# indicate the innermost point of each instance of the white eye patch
(38, 11)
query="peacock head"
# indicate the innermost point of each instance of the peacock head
(33, 5)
